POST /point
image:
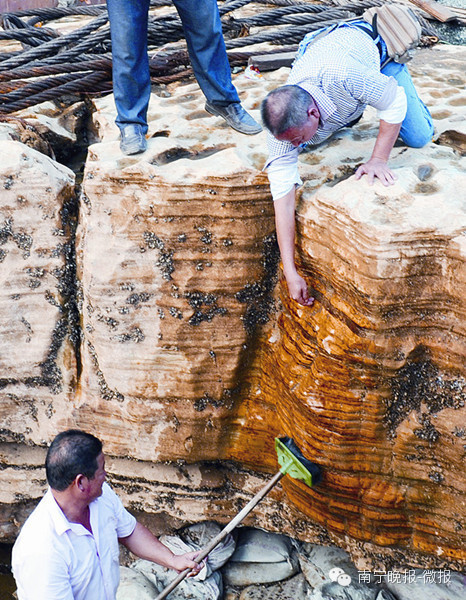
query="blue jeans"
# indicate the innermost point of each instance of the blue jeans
(417, 127)
(206, 47)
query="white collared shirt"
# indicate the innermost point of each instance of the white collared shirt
(54, 559)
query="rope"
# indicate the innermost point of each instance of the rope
(88, 81)
(285, 15)
(52, 47)
(53, 65)
(291, 34)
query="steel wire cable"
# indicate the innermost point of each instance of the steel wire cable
(53, 45)
(281, 2)
(50, 14)
(80, 61)
(9, 86)
(35, 87)
(227, 7)
(77, 51)
(6, 55)
(294, 34)
(287, 10)
(27, 37)
(14, 22)
(102, 64)
(87, 82)
(275, 17)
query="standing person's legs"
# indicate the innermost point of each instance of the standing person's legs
(417, 128)
(131, 78)
(206, 46)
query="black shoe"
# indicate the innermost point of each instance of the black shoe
(236, 117)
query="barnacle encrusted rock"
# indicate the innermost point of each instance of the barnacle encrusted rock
(38, 367)
(192, 358)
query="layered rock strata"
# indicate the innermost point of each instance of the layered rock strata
(190, 351)
(38, 367)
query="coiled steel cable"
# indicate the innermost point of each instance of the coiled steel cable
(80, 61)
(90, 80)
(291, 34)
(52, 47)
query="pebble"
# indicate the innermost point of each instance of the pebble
(431, 585)
(134, 585)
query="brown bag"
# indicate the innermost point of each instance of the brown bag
(399, 28)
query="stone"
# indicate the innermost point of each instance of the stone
(59, 123)
(55, 129)
(255, 545)
(199, 535)
(407, 370)
(426, 583)
(189, 589)
(37, 357)
(260, 557)
(243, 574)
(316, 562)
(193, 358)
(330, 572)
(291, 589)
(176, 263)
(134, 586)
(376, 387)
(19, 130)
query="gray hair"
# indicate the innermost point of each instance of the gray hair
(285, 107)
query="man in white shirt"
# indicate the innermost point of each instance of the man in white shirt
(333, 79)
(68, 547)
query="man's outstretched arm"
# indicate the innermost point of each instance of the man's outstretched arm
(391, 119)
(377, 165)
(285, 224)
(144, 544)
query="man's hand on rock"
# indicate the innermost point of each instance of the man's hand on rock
(376, 168)
(298, 291)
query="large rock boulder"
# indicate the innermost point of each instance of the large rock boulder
(370, 381)
(192, 355)
(37, 358)
(38, 365)
(173, 252)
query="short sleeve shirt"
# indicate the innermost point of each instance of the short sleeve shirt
(54, 559)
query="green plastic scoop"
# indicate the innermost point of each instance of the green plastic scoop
(291, 462)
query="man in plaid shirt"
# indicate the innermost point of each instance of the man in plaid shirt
(333, 79)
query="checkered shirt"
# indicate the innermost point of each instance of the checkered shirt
(341, 71)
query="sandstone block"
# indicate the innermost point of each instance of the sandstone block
(191, 353)
(176, 263)
(37, 363)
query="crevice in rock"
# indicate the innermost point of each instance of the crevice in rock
(74, 157)
(177, 153)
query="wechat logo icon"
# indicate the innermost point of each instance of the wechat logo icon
(338, 575)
